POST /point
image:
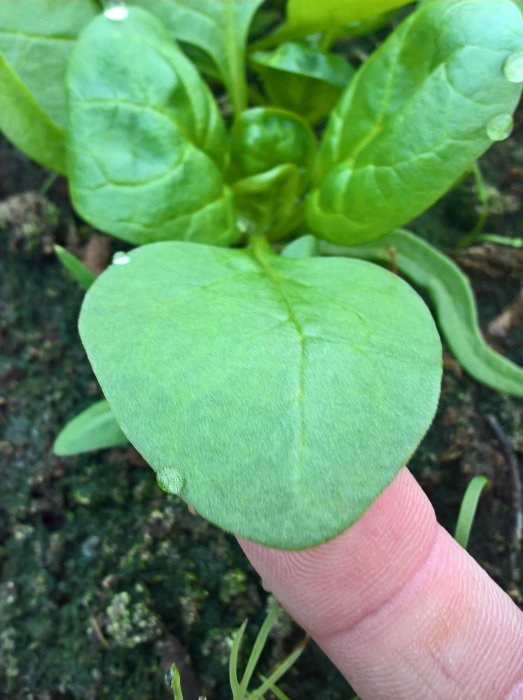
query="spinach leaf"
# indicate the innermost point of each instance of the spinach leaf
(300, 78)
(264, 137)
(36, 40)
(220, 29)
(279, 397)
(268, 203)
(317, 16)
(146, 140)
(272, 153)
(423, 108)
(92, 429)
(453, 299)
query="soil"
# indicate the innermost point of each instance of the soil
(104, 579)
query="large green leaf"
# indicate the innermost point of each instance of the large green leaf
(279, 397)
(93, 429)
(420, 111)
(317, 15)
(300, 78)
(36, 40)
(146, 139)
(453, 299)
(220, 29)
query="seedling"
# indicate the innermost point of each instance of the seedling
(277, 394)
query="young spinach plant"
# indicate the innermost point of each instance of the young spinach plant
(278, 394)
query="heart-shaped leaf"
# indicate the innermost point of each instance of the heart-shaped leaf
(279, 397)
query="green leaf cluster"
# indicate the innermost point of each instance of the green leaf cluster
(277, 394)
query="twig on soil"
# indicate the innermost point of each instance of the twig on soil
(517, 492)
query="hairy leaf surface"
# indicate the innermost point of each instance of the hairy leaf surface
(146, 140)
(279, 397)
(415, 115)
(453, 299)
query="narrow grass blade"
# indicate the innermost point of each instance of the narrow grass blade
(468, 509)
(78, 271)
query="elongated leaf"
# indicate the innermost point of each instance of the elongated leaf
(468, 509)
(146, 140)
(300, 78)
(92, 429)
(453, 299)
(420, 111)
(26, 125)
(219, 29)
(316, 16)
(76, 268)
(36, 40)
(279, 397)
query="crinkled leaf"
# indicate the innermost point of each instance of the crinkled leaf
(272, 153)
(278, 397)
(92, 429)
(36, 40)
(76, 268)
(264, 138)
(303, 79)
(269, 203)
(220, 29)
(453, 299)
(146, 139)
(416, 114)
(317, 15)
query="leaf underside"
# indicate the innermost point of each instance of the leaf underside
(453, 299)
(279, 397)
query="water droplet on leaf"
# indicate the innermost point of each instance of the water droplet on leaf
(170, 481)
(121, 259)
(513, 67)
(116, 12)
(500, 127)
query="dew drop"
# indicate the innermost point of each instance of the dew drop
(513, 67)
(121, 259)
(171, 481)
(116, 12)
(500, 127)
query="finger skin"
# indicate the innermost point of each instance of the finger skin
(401, 609)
